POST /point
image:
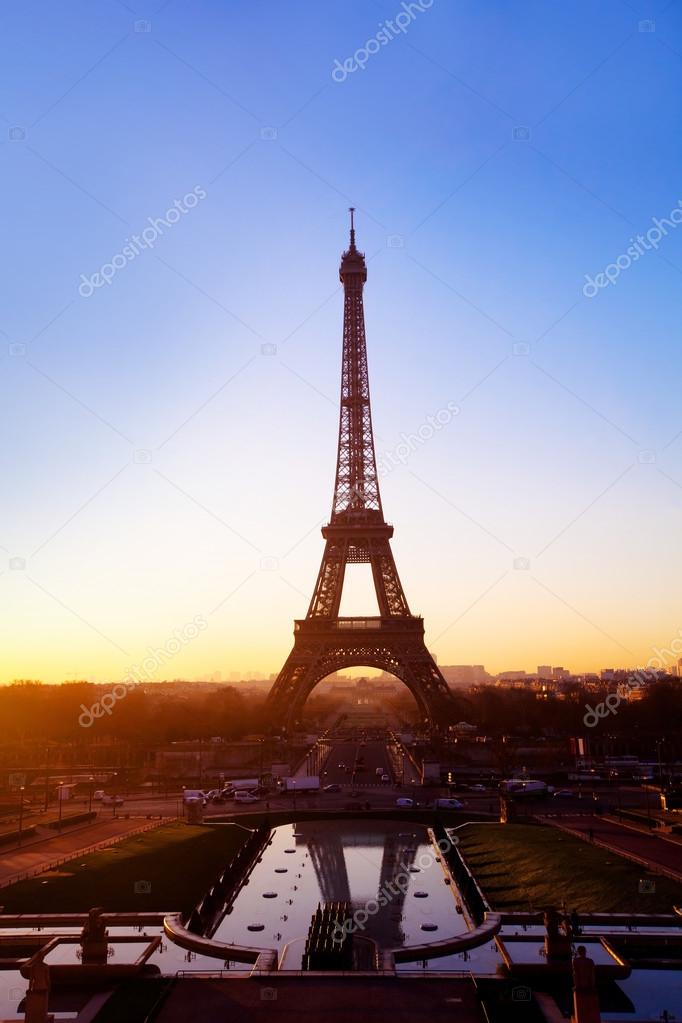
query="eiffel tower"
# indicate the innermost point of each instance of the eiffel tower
(357, 533)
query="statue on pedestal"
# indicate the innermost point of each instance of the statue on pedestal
(38, 993)
(558, 936)
(585, 995)
(94, 939)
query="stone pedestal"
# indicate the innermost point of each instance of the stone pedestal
(585, 995)
(38, 994)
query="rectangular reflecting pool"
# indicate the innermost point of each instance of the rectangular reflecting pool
(388, 872)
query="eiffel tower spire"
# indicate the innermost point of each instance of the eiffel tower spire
(356, 533)
(356, 491)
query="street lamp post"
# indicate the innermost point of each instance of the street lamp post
(47, 777)
(659, 743)
(60, 800)
(21, 810)
(90, 795)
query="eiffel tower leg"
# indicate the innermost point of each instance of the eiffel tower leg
(329, 586)
(426, 679)
(389, 590)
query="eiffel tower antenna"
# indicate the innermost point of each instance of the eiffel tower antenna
(357, 533)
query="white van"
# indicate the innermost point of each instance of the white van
(246, 797)
(191, 794)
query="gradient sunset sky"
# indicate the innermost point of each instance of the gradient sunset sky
(169, 440)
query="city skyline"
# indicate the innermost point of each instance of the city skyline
(171, 433)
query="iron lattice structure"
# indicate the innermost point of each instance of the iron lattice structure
(357, 532)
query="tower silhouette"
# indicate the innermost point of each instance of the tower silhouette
(357, 533)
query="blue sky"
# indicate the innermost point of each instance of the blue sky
(497, 154)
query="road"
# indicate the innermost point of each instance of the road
(657, 852)
(355, 764)
(45, 851)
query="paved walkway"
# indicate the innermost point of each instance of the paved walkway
(37, 856)
(655, 851)
(362, 998)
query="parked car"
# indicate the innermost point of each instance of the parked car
(194, 794)
(385, 779)
(564, 793)
(98, 794)
(246, 797)
(477, 788)
(113, 800)
(404, 803)
(332, 788)
(449, 804)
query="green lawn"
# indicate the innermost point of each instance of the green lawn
(179, 862)
(522, 867)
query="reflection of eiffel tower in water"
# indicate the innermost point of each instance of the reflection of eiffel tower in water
(326, 848)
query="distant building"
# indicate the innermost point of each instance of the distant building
(544, 671)
(464, 674)
(559, 673)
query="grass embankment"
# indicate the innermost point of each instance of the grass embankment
(528, 867)
(178, 861)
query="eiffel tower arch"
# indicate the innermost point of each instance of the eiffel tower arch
(357, 533)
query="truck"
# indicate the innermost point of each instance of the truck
(430, 772)
(309, 783)
(240, 784)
